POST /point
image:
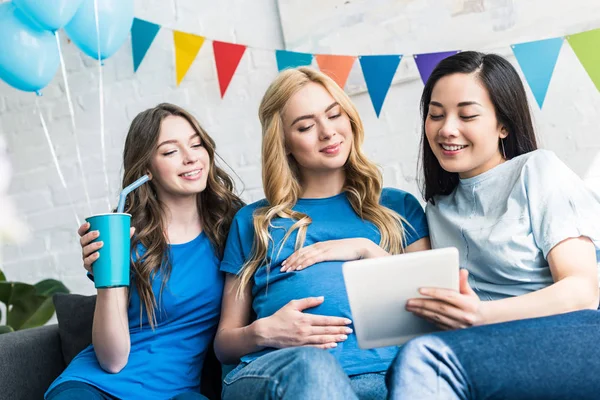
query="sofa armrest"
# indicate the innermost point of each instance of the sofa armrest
(30, 360)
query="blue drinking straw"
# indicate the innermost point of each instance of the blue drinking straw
(130, 189)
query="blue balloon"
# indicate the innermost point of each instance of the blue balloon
(29, 55)
(49, 14)
(115, 18)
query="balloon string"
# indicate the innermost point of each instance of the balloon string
(73, 127)
(55, 160)
(101, 94)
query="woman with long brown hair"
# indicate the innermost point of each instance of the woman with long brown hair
(324, 204)
(149, 340)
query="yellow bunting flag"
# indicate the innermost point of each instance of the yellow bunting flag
(337, 67)
(187, 47)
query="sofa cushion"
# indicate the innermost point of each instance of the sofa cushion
(30, 359)
(75, 314)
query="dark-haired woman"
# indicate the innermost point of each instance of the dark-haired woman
(528, 234)
(149, 340)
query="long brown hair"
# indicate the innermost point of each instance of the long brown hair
(280, 174)
(217, 204)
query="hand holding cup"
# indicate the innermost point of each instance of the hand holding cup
(89, 250)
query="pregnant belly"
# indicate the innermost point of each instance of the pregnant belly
(323, 279)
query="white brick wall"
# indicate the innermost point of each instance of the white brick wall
(568, 124)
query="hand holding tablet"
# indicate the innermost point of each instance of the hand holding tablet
(379, 288)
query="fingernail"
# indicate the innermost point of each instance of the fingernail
(410, 303)
(283, 263)
(96, 255)
(423, 291)
(347, 321)
(100, 243)
(321, 298)
(349, 330)
(343, 337)
(333, 344)
(299, 267)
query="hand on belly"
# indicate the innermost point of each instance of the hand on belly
(290, 326)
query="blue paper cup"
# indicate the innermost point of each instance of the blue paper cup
(112, 268)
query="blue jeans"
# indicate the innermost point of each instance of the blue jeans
(300, 373)
(547, 358)
(76, 390)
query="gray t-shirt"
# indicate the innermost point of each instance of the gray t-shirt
(505, 221)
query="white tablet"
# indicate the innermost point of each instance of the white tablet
(378, 289)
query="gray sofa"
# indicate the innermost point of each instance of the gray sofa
(31, 359)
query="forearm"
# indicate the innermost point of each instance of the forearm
(110, 330)
(231, 344)
(572, 293)
(369, 249)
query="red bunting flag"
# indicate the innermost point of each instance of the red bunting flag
(227, 58)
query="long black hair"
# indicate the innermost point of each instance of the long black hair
(507, 94)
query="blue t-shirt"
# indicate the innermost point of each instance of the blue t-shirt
(168, 360)
(332, 218)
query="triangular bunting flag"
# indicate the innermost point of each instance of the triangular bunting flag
(379, 72)
(142, 36)
(428, 61)
(537, 61)
(291, 59)
(227, 58)
(187, 47)
(337, 67)
(586, 46)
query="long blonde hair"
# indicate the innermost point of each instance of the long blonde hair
(280, 174)
(217, 204)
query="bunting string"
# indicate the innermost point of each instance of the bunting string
(536, 59)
